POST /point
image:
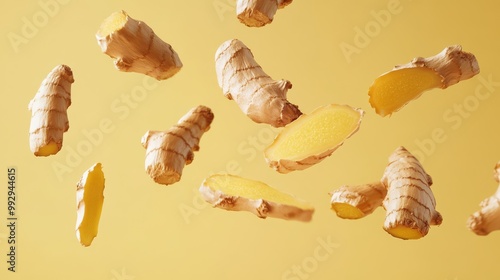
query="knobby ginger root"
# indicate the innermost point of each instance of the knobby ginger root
(235, 193)
(394, 89)
(89, 200)
(49, 118)
(311, 138)
(355, 202)
(487, 219)
(136, 48)
(257, 13)
(243, 80)
(410, 203)
(167, 152)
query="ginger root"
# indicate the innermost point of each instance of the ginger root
(487, 219)
(89, 201)
(355, 202)
(136, 48)
(393, 90)
(243, 80)
(257, 13)
(167, 152)
(410, 203)
(49, 118)
(311, 138)
(235, 193)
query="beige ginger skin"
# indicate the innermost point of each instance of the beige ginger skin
(49, 118)
(242, 79)
(257, 13)
(167, 152)
(136, 48)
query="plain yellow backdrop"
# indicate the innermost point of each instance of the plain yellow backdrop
(331, 51)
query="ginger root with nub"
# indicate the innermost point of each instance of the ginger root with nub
(89, 201)
(394, 89)
(243, 80)
(49, 118)
(487, 219)
(167, 152)
(257, 13)
(235, 193)
(404, 191)
(136, 48)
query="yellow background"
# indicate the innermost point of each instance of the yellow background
(149, 231)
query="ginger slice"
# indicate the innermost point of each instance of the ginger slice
(235, 193)
(241, 78)
(355, 202)
(167, 152)
(49, 118)
(410, 203)
(311, 138)
(257, 13)
(487, 219)
(393, 90)
(89, 201)
(136, 48)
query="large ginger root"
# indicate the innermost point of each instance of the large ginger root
(235, 193)
(311, 138)
(487, 219)
(394, 89)
(243, 80)
(89, 200)
(355, 202)
(136, 48)
(49, 119)
(167, 152)
(257, 13)
(409, 203)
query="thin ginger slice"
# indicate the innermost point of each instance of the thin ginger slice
(311, 138)
(355, 202)
(89, 201)
(235, 193)
(396, 88)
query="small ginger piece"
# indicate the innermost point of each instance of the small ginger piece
(167, 152)
(49, 118)
(235, 193)
(394, 89)
(136, 48)
(311, 138)
(487, 219)
(410, 203)
(261, 98)
(257, 13)
(355, 202)
(89, 201)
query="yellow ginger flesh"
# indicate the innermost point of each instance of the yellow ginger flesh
(112, 23)
(355, 202)
(392, 91)
(347, 211)
(89, 199)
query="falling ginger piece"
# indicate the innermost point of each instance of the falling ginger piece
(257, 13)
(487, 219)
(243, 80)
(49, 118)
(394, 89)
(410, 203)
(89, 200)
(136, 48)
(235, 193)
(311, 138)
(355, 202)
(167, 152)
